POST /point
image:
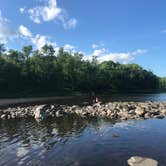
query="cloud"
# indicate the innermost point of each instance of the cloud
(6, 31)
(40, 40)
(21, 151)
(139, 52)
(70, 24)
(69, 47)
(123, 57)
(37, 40)
(48, 12)
(116, 57)
(94, 46)
(22, 10)
(99, 52)
(25, 31)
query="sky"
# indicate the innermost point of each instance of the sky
(124, 31)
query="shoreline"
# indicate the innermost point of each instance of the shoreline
(111, 110)
(77, 99)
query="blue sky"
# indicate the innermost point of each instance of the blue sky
(124, 31)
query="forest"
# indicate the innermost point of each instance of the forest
(39, 72)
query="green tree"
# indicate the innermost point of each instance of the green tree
(27, 50)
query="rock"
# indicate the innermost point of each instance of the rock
(147, 115)
(163, 111)
(141, 161)
(40, 113)
(74, 107)
(112, 110)
(12, 115)
(123, 114)
(59, 113)
(140, 111)
(3, 116)
(159, 116)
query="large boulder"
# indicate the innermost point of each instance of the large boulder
(141, 161)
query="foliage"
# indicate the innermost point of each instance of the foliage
(41, 71)
(163, 83)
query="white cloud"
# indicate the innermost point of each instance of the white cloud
(40, 40)
(116, 57)
(94, 46)
(99, 52)
(71, 24)
(37, 40)
(123, 57)
(48, 12)
(139, 52)
(6, 32)
(25, 31)
(21, 151)
(69, 47)
(22, 10)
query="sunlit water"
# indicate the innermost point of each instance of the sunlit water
(77, 141)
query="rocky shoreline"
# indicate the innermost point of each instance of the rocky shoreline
(112, 110)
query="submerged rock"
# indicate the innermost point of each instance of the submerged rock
(141, 161)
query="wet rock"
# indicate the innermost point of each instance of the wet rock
(141, 161)
(40, 113)
(3, 116)
(112, 110)
(59, 113)
(159, 116)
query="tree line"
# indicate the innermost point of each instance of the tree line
(41, 72)
(162, 83)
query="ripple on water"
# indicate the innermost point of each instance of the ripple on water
(78, 141)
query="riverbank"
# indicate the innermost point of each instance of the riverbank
(111, 110)
(81, 99)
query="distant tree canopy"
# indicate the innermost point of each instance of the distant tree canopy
(41, 71)
(163, 83)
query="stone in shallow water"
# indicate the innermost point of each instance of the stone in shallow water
(3, 116)
(39, 112)
(141, 161)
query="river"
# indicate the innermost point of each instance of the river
(80, 141)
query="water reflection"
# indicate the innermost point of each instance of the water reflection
(77, 141)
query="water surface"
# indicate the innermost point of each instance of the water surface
(81, 100)
(80, 142)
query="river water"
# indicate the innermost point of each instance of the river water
(76, 141)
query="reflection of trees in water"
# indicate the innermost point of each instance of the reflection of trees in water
(29, 132)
